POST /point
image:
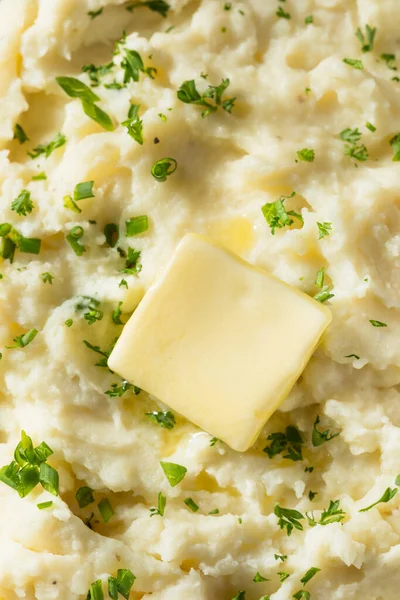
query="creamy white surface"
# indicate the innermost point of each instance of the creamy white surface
(228, 167)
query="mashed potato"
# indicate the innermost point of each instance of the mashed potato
(294, 95)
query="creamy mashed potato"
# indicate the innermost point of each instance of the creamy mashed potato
(293, 92)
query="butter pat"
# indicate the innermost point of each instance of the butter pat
(219, 341)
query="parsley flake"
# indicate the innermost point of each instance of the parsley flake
(22, 205)
(333, 514)
(159, 6)
(288, 518)
(95, 13)
(276, 215)
(173, 472)
(309, 19)
(75, 88)
(377, 323)
(240, 596)
(321, 437)
(281, 557)
(84, 496)
(395, 143)
(387, 495)
(133, 266)
(283, 575)
(47, 149)
(165, 419)
(19, 134)
(306, 154)
(282, 13)
(290, 441)
(111, 233)
(21, 341)
(302, 595)
(189, 94)
(47, 278)
(324, 229)
(389, 59)
(354, 62)
(258, 578)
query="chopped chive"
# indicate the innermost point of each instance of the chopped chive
(136, 225)
(106, 510)
(43, 505)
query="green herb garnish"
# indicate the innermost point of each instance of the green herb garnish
(173, 472)
(306, 154)
(47, 278)
(290, 441)
(377, 323)
(276, 215)
(136, 225)
(95, 13)
(288, 518)
(354, 62)
(282, 13)
(387, 495)
(258, 578)
(191, 504)
(73, 238)
(77, 89)
(161, 503)
(283, 575)
(367, 39)
(23, 340)
(20, 135)
(159, 6)
(189, 94)
(111, 232)
(134, 124)
(324, 229)
(321, 437)
(47, 149)
(84, 496)
(395, 143)
(106, 510)
(22, 205)
(133, 266)
(309, 575)
(164, 419)
(43, 505)
(163, 168)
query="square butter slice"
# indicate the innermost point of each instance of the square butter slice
(219, 341)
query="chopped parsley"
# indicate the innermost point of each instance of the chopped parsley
(116, 314)
(111, 233)
(352, 148)
(84, 496)
(309, 19)
(159, 6)
(290, 442)
(189, 94)
(395, 143)
(133, 266)
(73, 238)
(22, 205)
(191, 504)
(302, 595)
(47, 149)
(136, 225)
(288, 519)
(117, 391)
(106, 510)
(388, 494)
(123, 283)
(20, 135)
(164, 168)
(367, 39)
(258, 578)
(47, 278)
(29, 468)
(283, 575)
(282, 13)
(321, 437)
(173, 472)
(353, 356)
(276, 215)
(309, 575)
(134, 124)
(227, 5)
(377, 323)
(354, 62)
(311, 495)
(21, 341)
(333, 514)
(215, 511)
(105, 354)
(213, 441)
(161, 503)
(389, 59)
(75, 88)
(281, 557)
(165, 419)
(132, 65)
(240, 596)
(324, 229)
(96, 73)
(95, 13)
(306, 154)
